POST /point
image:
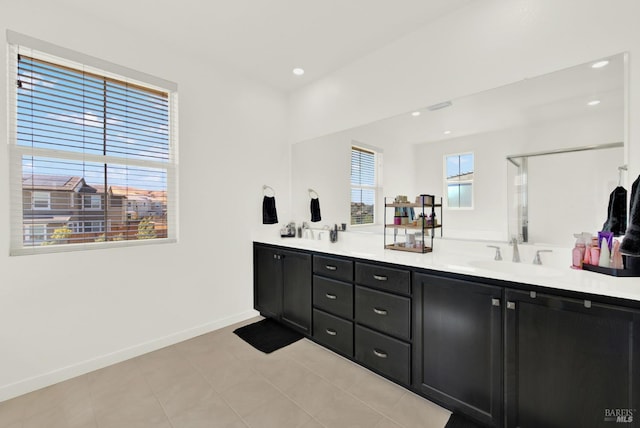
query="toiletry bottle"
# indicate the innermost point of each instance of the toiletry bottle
(595, 256)
(616, 258)
(587, 255)
(578, 253)
(605, 254)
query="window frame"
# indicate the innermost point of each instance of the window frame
(34, 207)
(92, 198)
(19, 43)
(447, 181)
(375, 187)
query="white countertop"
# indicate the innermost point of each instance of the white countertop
(472, 258)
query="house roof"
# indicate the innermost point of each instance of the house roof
(51, 182)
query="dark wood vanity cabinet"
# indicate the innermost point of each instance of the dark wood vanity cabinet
(282, 286)
(333, 303)
(383, 320)
(457, 358)
(570, 363)
(505, 356)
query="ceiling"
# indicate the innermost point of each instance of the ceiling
(266, 39)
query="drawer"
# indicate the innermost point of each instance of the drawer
(333, 267)
(384, 278)
(333, 296)
(384, 354)
(333, 332)
(384, 312)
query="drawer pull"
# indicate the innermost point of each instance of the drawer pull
(380, 277)
(380, 354)
(331, 332)
(330, 267)
(331, 296)
(380, 311)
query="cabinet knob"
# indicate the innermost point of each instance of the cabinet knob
(495, 302)
(511, 305)
(331, 332)
(331, 296)
(380, 354)
(380, 311)
(330, 267)
(380, 277)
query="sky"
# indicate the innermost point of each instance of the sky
(67, 112)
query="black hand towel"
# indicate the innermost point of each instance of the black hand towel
(269, 214)
(315, 210)
(617, 212)
(630, 245)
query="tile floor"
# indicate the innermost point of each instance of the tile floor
(217, 380)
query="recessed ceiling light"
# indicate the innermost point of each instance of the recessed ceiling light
(415, 113)
(298, 71)
(439, 106)
(593, 103)
(447, 132)
(600, 64)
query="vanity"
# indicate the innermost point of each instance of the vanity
(507, 347)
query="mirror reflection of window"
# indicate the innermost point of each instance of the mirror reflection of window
(363, 186)
(459, 180)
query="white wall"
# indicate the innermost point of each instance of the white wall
(487, 44)
(68, 313)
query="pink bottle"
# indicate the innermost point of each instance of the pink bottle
(595, 256)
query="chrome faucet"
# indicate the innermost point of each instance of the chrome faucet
(536, 259)
(498, 256)
(516, 253)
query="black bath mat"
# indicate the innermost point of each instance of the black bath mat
(458, 421)
(267, 335)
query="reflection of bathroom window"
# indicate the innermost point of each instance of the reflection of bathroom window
(459, 180)
(363, 185)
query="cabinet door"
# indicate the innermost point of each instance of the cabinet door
(296, 290)
(570, 363)
(457, 345)
(267, 281)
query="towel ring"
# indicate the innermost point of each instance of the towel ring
(312, 193)
(620, 169)
(265, 188)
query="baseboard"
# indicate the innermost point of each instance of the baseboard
(46, 379)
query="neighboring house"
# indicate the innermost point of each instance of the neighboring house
(53, 201)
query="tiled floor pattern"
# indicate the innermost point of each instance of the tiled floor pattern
(217, 380)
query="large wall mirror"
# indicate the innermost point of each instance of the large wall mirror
(547, 152)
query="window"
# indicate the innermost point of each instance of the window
(41, 200)
(459, 180)
(363, 186)
(92, 202)
(87, 226)
(87, 129)
(35, 233)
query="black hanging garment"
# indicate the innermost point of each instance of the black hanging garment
(617, 212)
(630, 245)
(269, 213)
(315, 210)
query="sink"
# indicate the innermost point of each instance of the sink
(515, 268)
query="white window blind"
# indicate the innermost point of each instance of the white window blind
(92, 156)
(363, 186)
